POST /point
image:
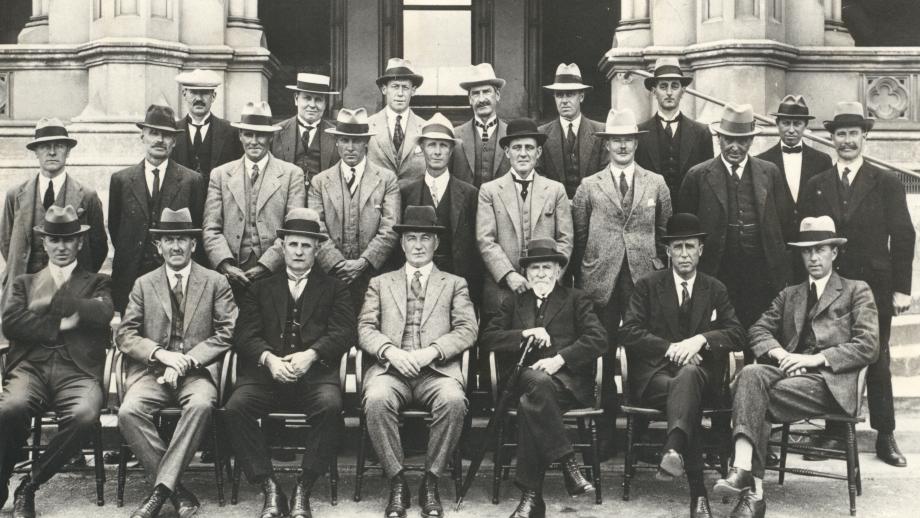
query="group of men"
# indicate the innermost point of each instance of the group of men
(289, 243)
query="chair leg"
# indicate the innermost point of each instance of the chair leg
(585, 452)
(596, 462)
(218, 460)
(98, 464)
(628, 457)
(851, 466)
(122, 474)
(858, 473)
(359, 468)
(235, 484)
(36, 449)
(497, 459)
(334, 480)
(457, 470)
(783, 451)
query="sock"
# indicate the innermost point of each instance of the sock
(757, 493)
(744, 452)
(676, 440)
(697, 486)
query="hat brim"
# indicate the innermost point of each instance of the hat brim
(832, 126)
(256, 127)
(305, 233)
(717, 130)
(175, 232)
(200, 87)
(558, 258)
(604, 134)
(38, 231)
(416, 79)
(675, 237)
(498, 83)
(540, 138)
(420, 228)
(650, 81)
(792, 116)
(437, 136)
(333, 131)
(321, 92)
(568, 87)
(836, 241)
(165, 129)
(70, 142)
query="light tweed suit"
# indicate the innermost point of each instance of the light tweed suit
(408, 163)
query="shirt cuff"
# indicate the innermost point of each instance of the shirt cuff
(263, 357)
(441, 355)
(382, 350)
(151, 359)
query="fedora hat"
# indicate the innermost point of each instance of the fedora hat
(313, 83)
(419, 218)
(160, 117)
(482, 74)
(683, 226)
(199, 79)
(175, 223)
(351, 123)
(50, 130)
(539, 250)
(61, 222)
(818, 231)
(438, 127)
(398, 68)
(737, 121)
(666, 68)
(522, 128)
(849, 113)
(568, 78)
(620, 123)
(302, 222)
(793, 107)
(256, 117)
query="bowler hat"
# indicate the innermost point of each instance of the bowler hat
(818, 231)
(793, 107)
(175, 223)
(420, 218)
(539, 250)
(351, 123)
(61, 222)
(666, 68)
(568, 78)
(849, 113)
(256, 117)
(522, 128)
(313, 83)
(302, 221)
(737, 121)
(683, 226)
(160, 117)
(398, 68)
(50, 130)
(620, 123)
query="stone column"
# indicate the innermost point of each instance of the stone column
(36, 29)
(243, 26)
(673, 22)
(835, 32)
(252, 65)
(634, 29)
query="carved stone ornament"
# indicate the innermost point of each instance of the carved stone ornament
(887, 97)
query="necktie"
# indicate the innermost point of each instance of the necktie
(305, 137)
(299, 284)
(254, 177)
(196, 141)
(540, 301)
(156, 185)
(735, 173)
(177, 289)
(812, 298)
(484, 129)
(48, 200)
(434, 194)
(668, 128)
(416, 285)
(845, 180)
(350, 181)
(793, 149)
(524, 185)
(624, 187)
(398, 135)
(685, 298)
(570, 139)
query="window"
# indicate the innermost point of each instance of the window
(437, 39)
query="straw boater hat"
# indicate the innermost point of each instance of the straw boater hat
(420, 218)
(61, 222)
(176, 223)
(620, 123)
(816, 232)
(482, 74)
(568, 78)
(50, 130)
(683, 226)
(539, 250)
(438, 127)
(666, 68)
(256, 117)
(313, 83)
(351, 123)
(522, 128)
(793, 107)
(302, 222)
(737, 121)
(849, 114)
(199, 79)
(398, 68)
(160, 117)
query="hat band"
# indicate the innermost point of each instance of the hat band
(159, 120)
(736, 127)
(174, 225)
(437, 128)
(540, 252)
(667, 69)
(816, 235)
(791, 109)
(568, 79)
(51, 131)
(399, 71)
(351, 127)
(301, 225)
(61, 228)
(849, 118)
(313, 86)
(256, 120)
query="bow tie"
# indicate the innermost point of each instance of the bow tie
(304, 125)
(666, 121)
(794, 149)
(487, 125)
(297, 279)
(522, 182)
(189, 120)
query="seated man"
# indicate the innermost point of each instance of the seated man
(289, 351)
(678, 331)
(57, 320)
(177, 326)
(812, 342)
(569, 339)
(416, 322)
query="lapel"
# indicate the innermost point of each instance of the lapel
(715, 176)
(554, 303)
(312, 292)
(499, 152)
(609, 188)
(289, 137)
(161, 289)
(686, 134)
(585, 142)
(651, 139)
(553, 148)
(467, 135)
(798, 302)
(456, 205)
(26, 206)
(413, 130)
(827, 189)
(639, 182)
(865, 181)
(217, 139)
(699, 302)
(831, 293)
(369, 182)
(437, 281)
(540, 188)
(194, 290)
(139, 188)
(760, 187)
(398, 287)
(235, 178)
(183, 144)
(508, 194)
(526, 309)
(667, 297)
(271, 183)
(277, 286)
(73, 193)
(378, 123)
(170, 186)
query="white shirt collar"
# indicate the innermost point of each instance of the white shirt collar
(492, 118)
(391, 119)
(61, 274)
(185, 272)
(853, 166)
(426, 271)
(440, 182)
(820, 284)
(57, 182)
(792, 169)
(576, 123)
(262, 163)
(664, 120)
(148, 168)
(678, 280)
(292, 274)
(293, 285)
(630, 171)
(205, 122)
(741, 166)
(359, 169)
(528, 178)
(544, 295)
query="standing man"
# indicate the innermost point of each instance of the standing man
(25, 206)
(396, 126)
(209, 141)
(478, 154)
(358, 204)
(247, 201)
(302, 139)
(416, 322)
(672, 142)
(289, 351)
(869, 207)
(138, 195)
(57, 321)
(677, 351)
(572, 151)
(177, 326)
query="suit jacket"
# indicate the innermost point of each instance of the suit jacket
(285, 142)
(704, 193)
(651, 325)
(813, 162)
(409, 164)
(327, 325)
(845, 323)
(225, 145)
(129, 214)
(379, 211)
(463, 162)
(634, 232)
(592, 156)
(877, 225)
(225, 210)
(574, 329)
(448, 320)
(695, 147)
(210, 316)
(86, 294)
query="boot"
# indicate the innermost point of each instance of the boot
(428, 498)
(275, 503)
(24, 499)
(300, 501)
(530, 506)
(152, 505)
(575, 482)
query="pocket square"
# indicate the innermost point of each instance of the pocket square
(714, 316)
(650, 202)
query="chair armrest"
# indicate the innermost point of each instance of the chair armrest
(599, 383)
(343, 369)
(860, 387)
(121, 368)
(110, 355)
(493, 377)
(227, 371)
(465, 368)
(359, 369)
(624, 371)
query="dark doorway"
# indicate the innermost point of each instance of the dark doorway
(15, 15)
(883, 23)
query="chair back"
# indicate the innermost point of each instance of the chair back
(860, 388)
(624, 373)
(495, 378)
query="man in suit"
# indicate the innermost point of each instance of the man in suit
(209, 141)
(869, 207)
(672, 142)
(514, 209)
(736, 197)
(137, 196)
(177, 326)
(568, 339)
(247, 201)
(678, 333)
(302, 139)
(289, 352)
(416, 322)
(396, 127)
(572, 151)
(478, 155)
(358, 204)
(25, 206)
(811, 344)
(57, 320)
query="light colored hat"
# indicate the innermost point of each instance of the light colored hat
(793, 107)
(438, 127)
(199, 79)
(398, 68)
(61, 222)
(849, 113)
(568, 78)
(302, 222)
(482, 74)
(737, 121)
(313, 83)
(176, 223)
(620, 123)
(256, 117)
(50, 130)
(351, 123)
(818, 231)
(666, 68)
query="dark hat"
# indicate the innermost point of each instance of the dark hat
(816, 232)
(419, 218)
(176, 223)
(683, 226)
(61, 222)
(522, 128)
(666, 69)
(302, 222)
(849, 114)
(398, 68)
(50, 130)
(542, 250)
(313, 83)
(161, 118)
(793, 107)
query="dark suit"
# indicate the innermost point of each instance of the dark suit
(287, 142)
(463, 162)
(221, 145)
(327, 325)
(694, 146)
(578, 336)
(879, 250)
(592, 157)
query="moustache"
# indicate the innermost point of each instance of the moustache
(482, 104)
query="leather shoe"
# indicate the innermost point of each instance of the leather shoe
(428, 497)
(575, 481)
(749, 507)
(887, 449)
(300, 502)
(400, 499)
(530, 506)
(738, 480)
(275, 503)
(152, 505)
(672, 464)
(185, 502)
(699, 507)
(826, 442)
(24, 499)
